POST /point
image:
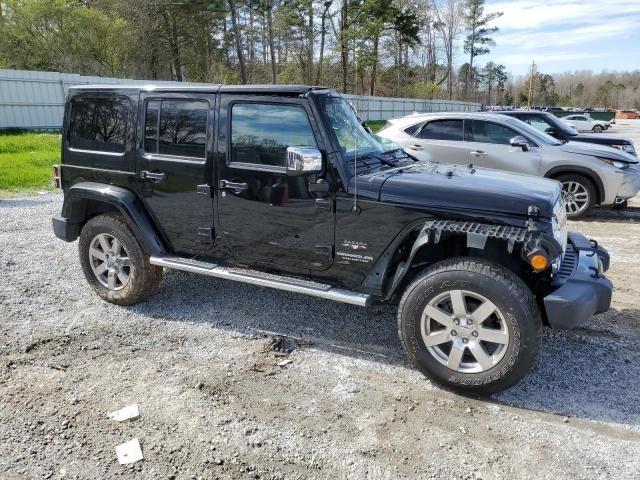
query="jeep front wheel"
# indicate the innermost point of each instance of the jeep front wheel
(470, 325)
(113, 262)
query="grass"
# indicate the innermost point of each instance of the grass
(26, 160)
(376, 125)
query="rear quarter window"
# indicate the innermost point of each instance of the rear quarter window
(98, 123)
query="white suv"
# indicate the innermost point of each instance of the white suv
(590, 174)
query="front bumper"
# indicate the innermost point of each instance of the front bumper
(581, 290)
(630, 183)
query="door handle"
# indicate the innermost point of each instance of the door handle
(479, 153)
(235, 187)
(415, 147)
(153, 176)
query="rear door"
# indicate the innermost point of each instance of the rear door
(490, 146)
(264, 215)
(440, 140)
(175, 136)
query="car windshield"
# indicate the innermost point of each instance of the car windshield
(535, 134)
(351, 135)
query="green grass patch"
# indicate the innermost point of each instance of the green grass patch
(26, 160)
(376, 125)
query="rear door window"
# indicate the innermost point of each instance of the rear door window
(176, 128)
(99, 124)
(442, 130)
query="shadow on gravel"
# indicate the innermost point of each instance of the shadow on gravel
(591, 373)
(613, 214)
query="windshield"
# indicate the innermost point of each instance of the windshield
(350, 134)
(534, 133)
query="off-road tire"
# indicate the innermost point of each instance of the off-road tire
(588, 185)
(502, 287)
(144, 278)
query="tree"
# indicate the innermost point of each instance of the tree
(479, 34)
(494, 76)
(449, 23)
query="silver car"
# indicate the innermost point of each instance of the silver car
(590, 174)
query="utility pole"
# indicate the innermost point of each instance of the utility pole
(533, 69)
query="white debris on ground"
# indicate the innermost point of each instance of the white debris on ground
(129, 452)
(127, 413)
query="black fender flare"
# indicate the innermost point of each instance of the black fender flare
(587, 172)
(476, 237)
(125, 201)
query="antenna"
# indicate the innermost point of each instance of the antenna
(356, 208)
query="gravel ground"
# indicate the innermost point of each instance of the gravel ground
(214, 403)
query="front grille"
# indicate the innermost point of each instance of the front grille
(568, 264)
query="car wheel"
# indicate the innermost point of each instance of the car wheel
(598, 128)
(113, 262)
(470, 325)
(579, 194)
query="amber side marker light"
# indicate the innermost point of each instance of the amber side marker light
(539, 262)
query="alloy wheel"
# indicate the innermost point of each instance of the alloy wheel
(109, 261)
(465, 331)
(576, 197)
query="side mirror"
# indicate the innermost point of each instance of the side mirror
(550, 130)
(303, 160)
(520, 141)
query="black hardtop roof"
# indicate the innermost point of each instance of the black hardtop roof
(203, 88)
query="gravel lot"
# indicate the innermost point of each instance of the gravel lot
(215, 404)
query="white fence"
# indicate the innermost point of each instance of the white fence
(35, 100)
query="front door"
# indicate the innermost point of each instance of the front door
(175, 135)
(264, 215)
(490, 147)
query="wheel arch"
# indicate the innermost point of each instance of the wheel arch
(432, 241)
(584, 171)
(85, 200)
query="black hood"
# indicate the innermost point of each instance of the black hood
(461, 188)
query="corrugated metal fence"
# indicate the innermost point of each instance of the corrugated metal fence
(35, 100)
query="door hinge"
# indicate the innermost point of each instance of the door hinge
(206, 232)
(326, 250)
(203, 190)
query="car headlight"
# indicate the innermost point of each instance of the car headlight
(614, 163)
(626, 148)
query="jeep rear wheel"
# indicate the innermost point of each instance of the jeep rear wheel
(113, 262)
(471, 326)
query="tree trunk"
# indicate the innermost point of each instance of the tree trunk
(272, 49)
(310, 39)
(238, 40)
(173, 45)
(374, 67)
(322, 37)
(344, 43)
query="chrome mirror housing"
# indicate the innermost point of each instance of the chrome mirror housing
(302, 160)
(520, 141)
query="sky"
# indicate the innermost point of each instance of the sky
(566, 35)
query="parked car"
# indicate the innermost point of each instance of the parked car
(583, 123)
(590, 174)
(282, 187)
(548, 123)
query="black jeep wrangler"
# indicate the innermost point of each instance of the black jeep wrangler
(282, 187)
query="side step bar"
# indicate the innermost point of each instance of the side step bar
(264, 280)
